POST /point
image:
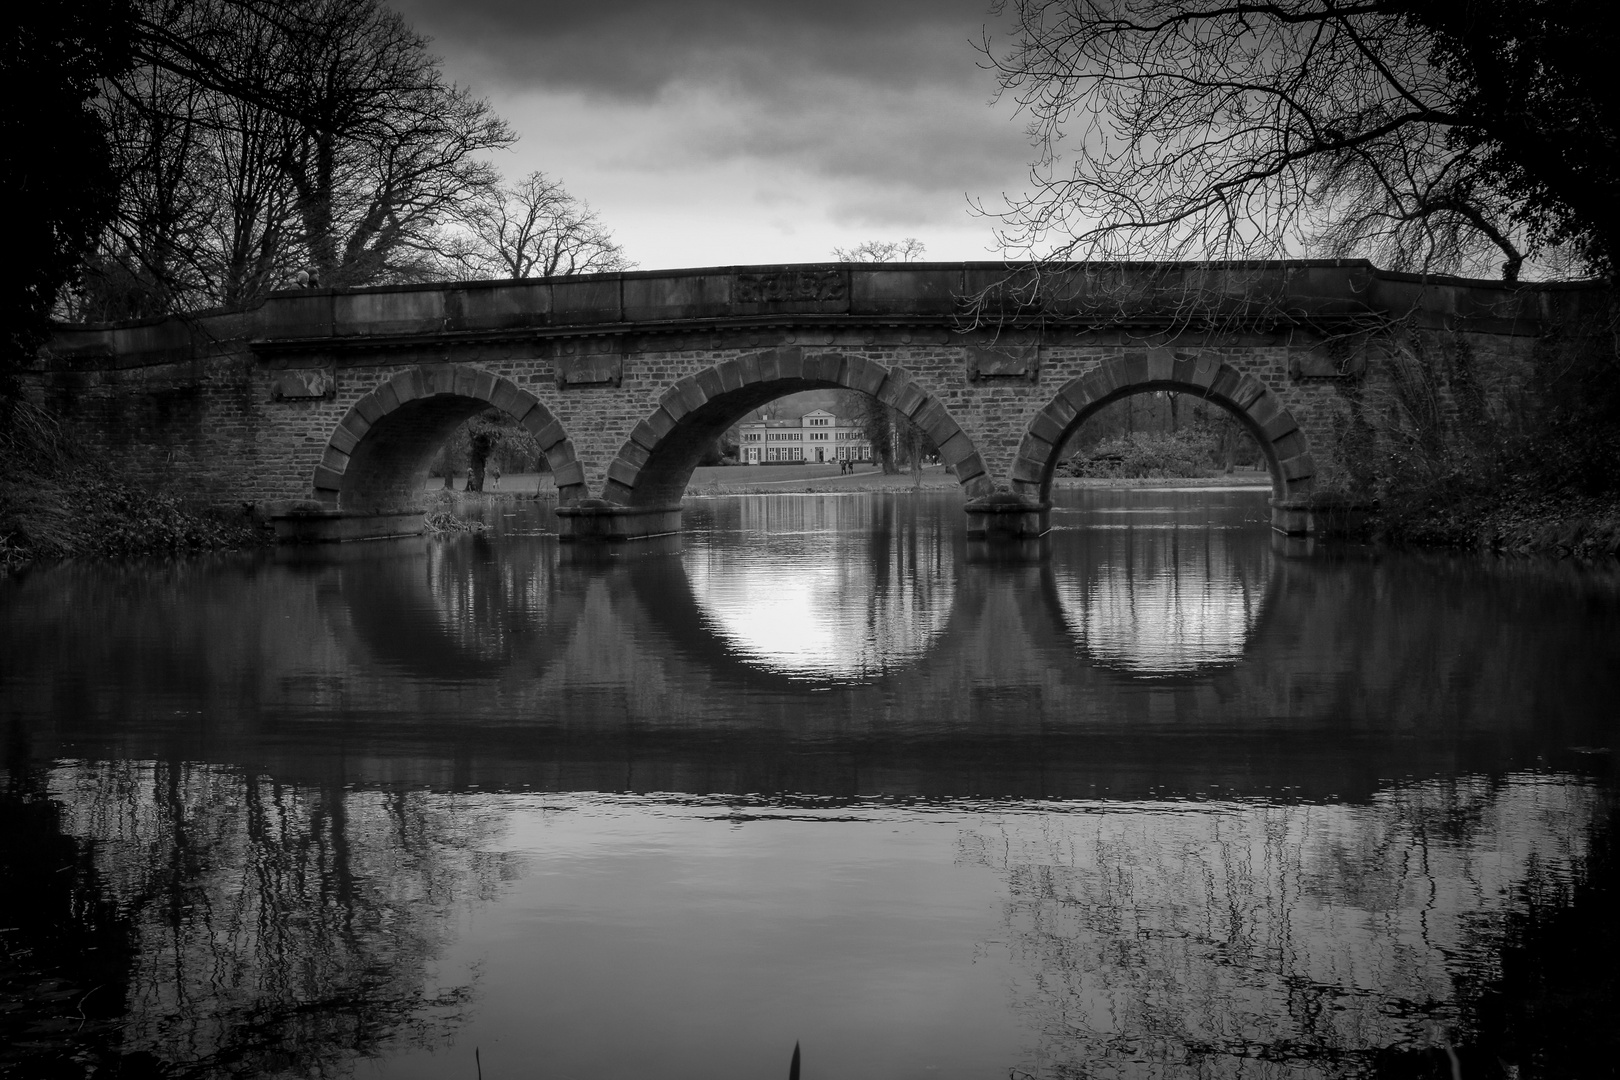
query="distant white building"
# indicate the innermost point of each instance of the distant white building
(815, 436)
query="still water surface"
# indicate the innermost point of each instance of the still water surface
(1181, 800)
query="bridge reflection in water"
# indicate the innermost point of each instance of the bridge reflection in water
(1171, 796)
(1167, 589)
(831, 590)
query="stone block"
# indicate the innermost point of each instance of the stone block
(1161, 364)
(370, 409)
(616, 493)
(1248, 391)
(1111, 375)
(969, 466)
(692, 394)
(393, 310)
(344, 439)
(1205, 370)
(1030, 470)
(1047, 428)
(663, 297)
(863, 375)
(1280, 425)
(1264, 409)
(940, 426)
(1297, 468)
(571, 473)
(1225, 384)
(908, 398)
(661, 423)
(335, 460)
(585, 301)
(1134, 368)
(644, 436)
(1061, 410)
(387, 397)
(733, 375)
(507, 305)
(955, 449)
(770, 366)
(441, 379)
(827, 367)
(789, 363)
(624, 473)
(547, 429)
(910, 289)
(409, 385)
(708, 380)
(633, 454)
(466, 384)
(751, 369)
(506, 397)
(673, 402)
(328, 480)
(1290, 445)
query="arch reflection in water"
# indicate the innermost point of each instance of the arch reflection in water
(457, 606)
(1167, 593)
(826, 588)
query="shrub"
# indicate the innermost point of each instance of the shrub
(1184, 453)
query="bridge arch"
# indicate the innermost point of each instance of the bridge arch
(1256, 406)
(654, 465)
(378, 457)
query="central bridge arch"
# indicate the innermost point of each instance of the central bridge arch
(648, 476)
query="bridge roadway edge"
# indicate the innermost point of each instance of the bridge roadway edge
(275, 405)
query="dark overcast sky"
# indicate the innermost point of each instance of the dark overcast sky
(747, 132)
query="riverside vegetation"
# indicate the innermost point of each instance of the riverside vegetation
(55, 505)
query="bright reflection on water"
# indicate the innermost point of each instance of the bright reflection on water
(831, 589)
(1181, 800)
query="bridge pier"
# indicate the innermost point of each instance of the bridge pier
(1291, 517)
(598, 519)
(319, 524)
(1005, 516)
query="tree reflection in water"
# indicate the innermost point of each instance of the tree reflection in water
(1264, 941)
(831, 589)
(1166, 600)
(278, 930)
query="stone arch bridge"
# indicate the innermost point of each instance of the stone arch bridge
(325, 407)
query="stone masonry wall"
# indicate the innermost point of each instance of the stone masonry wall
(242, 408)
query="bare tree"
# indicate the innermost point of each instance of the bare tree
(535, 228)
(256, 138)
(908, 250)
(1190, 129)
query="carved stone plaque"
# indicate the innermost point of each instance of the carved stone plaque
(792, 287)
(294, 385)
(1003, 362)
(592, 369)
(1326, 363)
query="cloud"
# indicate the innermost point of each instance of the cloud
(635, 48)
(740, 130)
